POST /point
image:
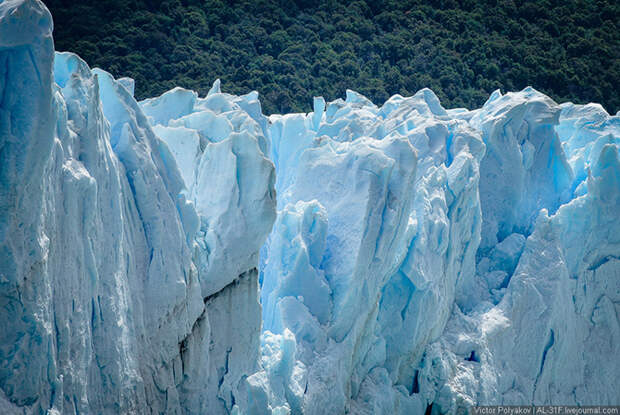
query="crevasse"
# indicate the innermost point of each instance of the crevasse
(188, 254)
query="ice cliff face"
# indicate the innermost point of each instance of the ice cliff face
(426, 260)
(119, 294)
(420, 260)
(487, 274)
(219, 143)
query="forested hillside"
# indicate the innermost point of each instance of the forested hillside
(290, 50)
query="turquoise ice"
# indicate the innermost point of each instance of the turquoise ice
(188, 254)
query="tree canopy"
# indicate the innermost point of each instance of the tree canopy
(290, 51)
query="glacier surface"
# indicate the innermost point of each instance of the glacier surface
(189, 254)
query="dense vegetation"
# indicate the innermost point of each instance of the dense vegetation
(291, 50)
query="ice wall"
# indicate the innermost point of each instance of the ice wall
(110, 302)
(502, 254)
(366, 242)
(218, 143)
(419, 260)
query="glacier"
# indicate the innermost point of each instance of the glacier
(119, 294)
(188, 254)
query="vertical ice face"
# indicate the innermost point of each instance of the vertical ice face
(379, 216)
(476, 300)
(106, 307)
(551, 336)
(525, 168)
(97, 280)
(583, 131)
(218, 142)
(26, 134)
